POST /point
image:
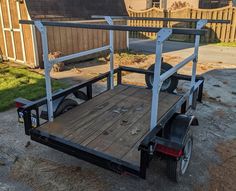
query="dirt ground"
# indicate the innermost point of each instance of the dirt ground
(27, 165)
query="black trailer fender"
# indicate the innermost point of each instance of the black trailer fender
(180, 126)
(181, 133)
(60, 106)
(55, 103)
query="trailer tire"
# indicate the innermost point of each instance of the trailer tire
(66, 105)
(80, 95)
(168, 85)
(176, 168)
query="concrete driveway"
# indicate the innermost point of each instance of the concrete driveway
(207, 53)
(27, 165)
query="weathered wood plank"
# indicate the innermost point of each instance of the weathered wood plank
(230, 12)
(105, 139)
(123, 145)
(5, 14)
(65, 123)
(136, 106)
(14, 16)
(133, 156)
(101, 118)
(213, 27)
(224, 26)
(18, 47)
(51, 43)
(9, 44)
(233, 27)
(57, 39)
(27, 37)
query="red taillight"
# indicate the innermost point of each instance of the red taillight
(18, 104)
(168, 151)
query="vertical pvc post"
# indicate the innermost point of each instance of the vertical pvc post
(111, 35)
(200, 24)
(47, 68)
(127, 40)
(162, 35)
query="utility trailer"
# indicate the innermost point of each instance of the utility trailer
(123, 127)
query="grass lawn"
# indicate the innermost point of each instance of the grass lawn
(227, 44)
(20, 82)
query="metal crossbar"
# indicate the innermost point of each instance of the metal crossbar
(77, 55)
(162, 35)
(116, 27)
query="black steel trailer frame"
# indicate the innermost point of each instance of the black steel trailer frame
(155, 141)
(98, 158)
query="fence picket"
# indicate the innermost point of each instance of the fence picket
(233, 26)
(217, 31)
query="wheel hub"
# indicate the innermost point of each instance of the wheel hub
(186, 158)
(165, 84)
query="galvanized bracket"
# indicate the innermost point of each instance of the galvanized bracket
(163, 34)
(109, 20)
(201, 23)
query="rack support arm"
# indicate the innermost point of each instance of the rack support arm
(162, 35)
(111, 34)
(200, 25)
(47, 68)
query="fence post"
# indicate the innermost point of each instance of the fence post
(233, 27)
(165, 23)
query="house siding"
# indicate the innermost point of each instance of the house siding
(138, 4)
(80, 9)
(192, 3)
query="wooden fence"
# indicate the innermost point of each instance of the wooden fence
(73, 40)
(216, 32)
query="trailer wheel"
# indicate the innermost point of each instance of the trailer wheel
(65, 106)
(80, 95)
(168, 85)
(176, 168)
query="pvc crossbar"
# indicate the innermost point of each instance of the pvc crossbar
(116, 27)
(78, 55)
(173, 70)
(162, 19)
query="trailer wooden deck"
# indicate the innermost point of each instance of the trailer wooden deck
(113, 123)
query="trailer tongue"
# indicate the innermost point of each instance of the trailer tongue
(120, 129)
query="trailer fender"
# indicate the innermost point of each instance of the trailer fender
(185, 120)
(180, 127)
